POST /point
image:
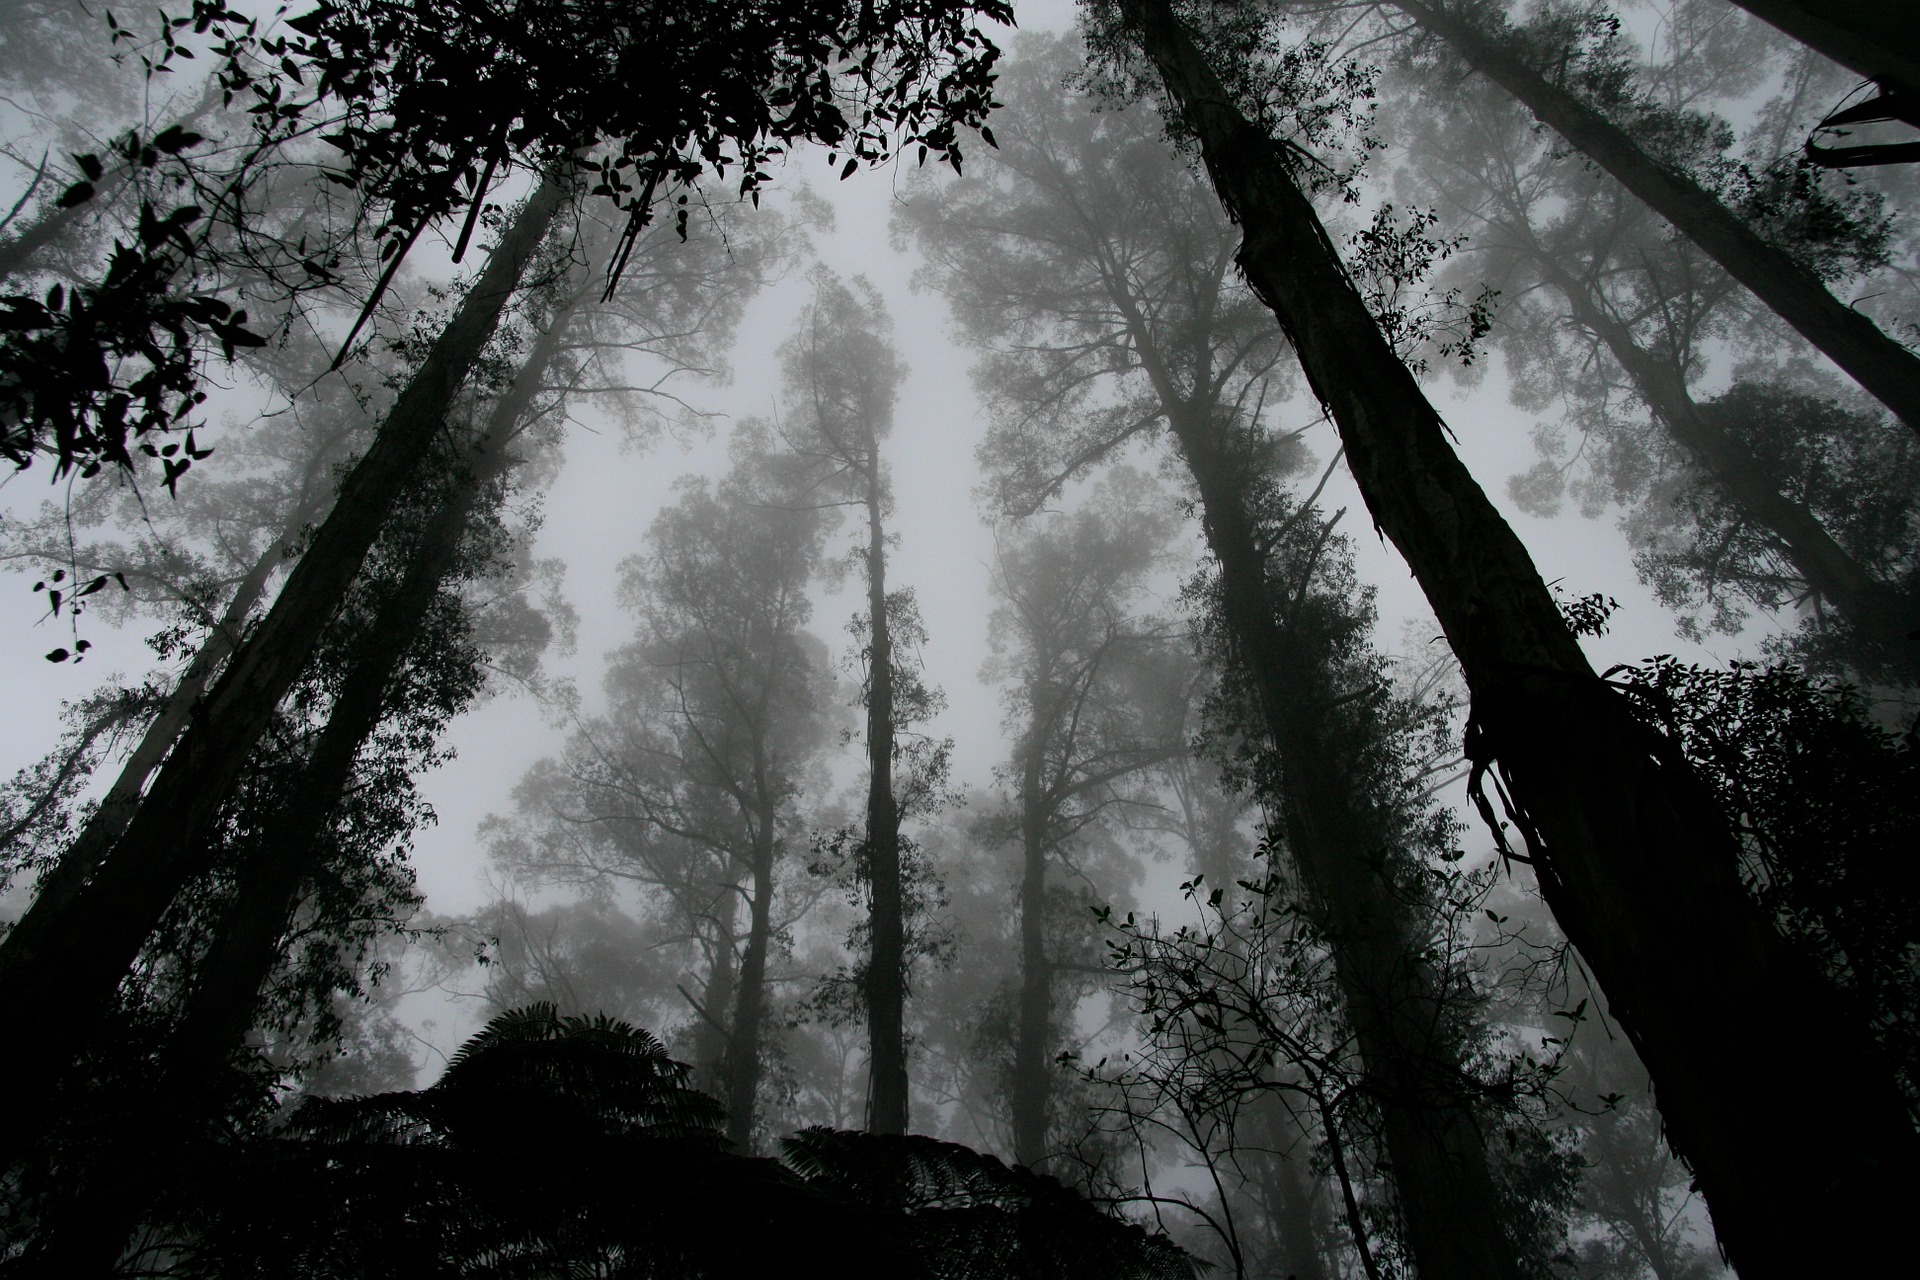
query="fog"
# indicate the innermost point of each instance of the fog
(1398, 526)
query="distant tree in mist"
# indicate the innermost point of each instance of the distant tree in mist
(842, 380)
(1135, 258)
(1073, 655)
(688, 786)
(1637, 862)
(1567, 69)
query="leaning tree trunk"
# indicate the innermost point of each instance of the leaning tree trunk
(886, 978)
(57, 889)
(1872, 37)
(1410, 1066)
(1888, 370)
(750, 999)
(1880, 614)
(1632, 854)
(1032, 1078)
(63, 983)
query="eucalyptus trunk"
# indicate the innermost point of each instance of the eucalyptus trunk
(1879, 363)
(1410, 1066)
(109, 819)
(1632, 854)
(886, 977)
(1032, 1076)
(750, 1000)
(224, 1000)
(61, 978)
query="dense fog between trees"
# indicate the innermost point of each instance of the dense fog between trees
(1139, 638)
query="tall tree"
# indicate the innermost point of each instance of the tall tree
(1631, 851)
(1113, 266)
(1066, 642)
(842, 380)
(1793, 499)
(60, 966)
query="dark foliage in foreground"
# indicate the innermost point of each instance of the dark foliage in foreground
(574, 1146)
(1827, 805)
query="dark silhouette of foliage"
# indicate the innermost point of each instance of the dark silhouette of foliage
(1827, 806)
(574, 1145)
(431, 106)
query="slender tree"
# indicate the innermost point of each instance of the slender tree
(1878, 362)
(1066, 642)
(842, 379)
(1652, 306)
(60, 967)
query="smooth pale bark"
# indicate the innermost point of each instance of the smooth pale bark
(1632, 855)
(886, 977)
(1878, 612)
(63, 984)
(750, 1002)
(1873, 37)
(1032, 1078)
(1888, 370)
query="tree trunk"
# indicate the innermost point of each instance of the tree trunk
(1631, 852)
(750, 1001)
(886, 979)
(1873, 37)
(1288, 1194)
(1455, 1224)
(63, 984)
(59, 886)
(1879, 613)
(711, 1035)
(1888, 370)
(1032, 1072)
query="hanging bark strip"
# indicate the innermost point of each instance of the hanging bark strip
(1888, 370)
(63, 983)
(1632, 855)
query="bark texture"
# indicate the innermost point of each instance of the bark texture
(1888, 370)
(886, 977)
(1632, 855)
